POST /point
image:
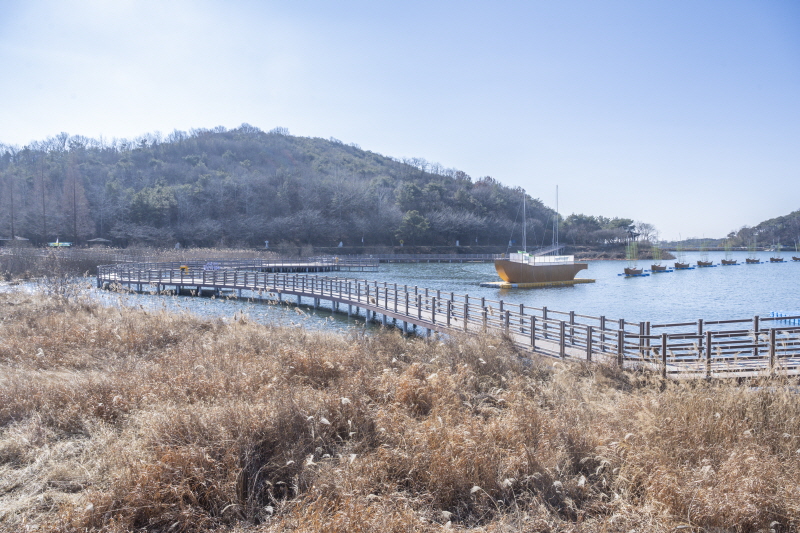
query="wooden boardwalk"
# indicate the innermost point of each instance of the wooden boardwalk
(450, 258)
(433, 258)
(745, 347)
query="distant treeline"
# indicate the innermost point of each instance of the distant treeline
(783, 230)
(244, 186)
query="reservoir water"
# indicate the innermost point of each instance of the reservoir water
(716, 293)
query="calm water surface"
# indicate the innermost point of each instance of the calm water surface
(716, 293)
(710, 293)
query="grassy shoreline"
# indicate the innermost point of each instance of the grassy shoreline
(119, 419)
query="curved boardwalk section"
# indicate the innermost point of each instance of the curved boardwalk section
(743, 347)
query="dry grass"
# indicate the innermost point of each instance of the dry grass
(124, 420)
(28, 262)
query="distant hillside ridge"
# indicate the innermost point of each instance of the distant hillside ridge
(220, 187)
(784, 230)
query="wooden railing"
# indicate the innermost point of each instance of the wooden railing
(322, 264)
(694, 349)
(434, 258)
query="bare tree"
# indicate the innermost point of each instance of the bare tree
(647, 232)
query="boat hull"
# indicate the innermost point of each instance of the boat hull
(658, 268)
(682, 266)
(705, 263)
(514, 272)
(729, 262)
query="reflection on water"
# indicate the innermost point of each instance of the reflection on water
(717, 293)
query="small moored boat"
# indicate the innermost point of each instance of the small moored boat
(728, 261)
(704, 262)
(751, 254)
(681, 263)
(655, 250)
(632, 256)
(778, 257)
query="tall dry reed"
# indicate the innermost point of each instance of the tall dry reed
(119, 419)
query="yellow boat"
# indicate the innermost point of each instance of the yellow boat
(523, 267)
(539, 269)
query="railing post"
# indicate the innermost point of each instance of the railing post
(708, 354)
(484, 318)
(699, 337)
(756, 327)
(603, 333)
(544, 322)
(466, 316)
(562, 342)
(572, 327)
(506, 320)
(419, 306)
(621, 348)
(772, 350)
(589, 333)
(433, 309)
(664, 355)
(641, 340)
(533, 332)
(449, 311)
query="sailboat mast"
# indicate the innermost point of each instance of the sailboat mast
(556, 221)
(524, 225)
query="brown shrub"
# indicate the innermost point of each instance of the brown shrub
(121, 419)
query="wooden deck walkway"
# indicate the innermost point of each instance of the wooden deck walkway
(433, 258)
(695, 349)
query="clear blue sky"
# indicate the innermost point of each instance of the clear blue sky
(684, 114)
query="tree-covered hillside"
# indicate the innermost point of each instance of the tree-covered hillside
(783, 230)
(245, 186)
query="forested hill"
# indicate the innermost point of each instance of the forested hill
(245, 186)
(784, 230)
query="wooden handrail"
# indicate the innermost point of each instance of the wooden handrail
(558, 333)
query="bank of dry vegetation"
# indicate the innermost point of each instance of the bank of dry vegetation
(117, 419)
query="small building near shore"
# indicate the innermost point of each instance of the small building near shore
(99, 241)
(16, 241)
